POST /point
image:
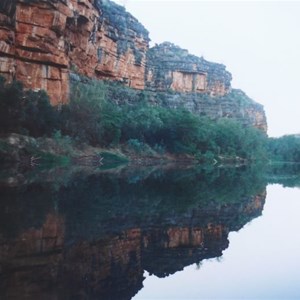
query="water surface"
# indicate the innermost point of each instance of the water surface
(261, 262)
(150, 233)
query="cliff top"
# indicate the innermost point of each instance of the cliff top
(174, 55)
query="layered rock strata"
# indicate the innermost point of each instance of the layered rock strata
(235, 105)
(41, 41)
(170, 67)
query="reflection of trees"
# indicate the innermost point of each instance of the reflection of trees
(287, 174)
(24, 207)
(155, 199)
(98, 234)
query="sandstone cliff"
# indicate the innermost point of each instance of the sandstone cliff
(170, 67)
(234, 104)
(43, 42)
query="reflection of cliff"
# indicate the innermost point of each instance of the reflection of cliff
(172, 249)
(39, 264)
(76, 254)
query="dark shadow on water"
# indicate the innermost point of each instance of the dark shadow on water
(91, 235)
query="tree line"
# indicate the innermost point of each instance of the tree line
(92, 118)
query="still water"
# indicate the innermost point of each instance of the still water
(150, 233)
(261, 262)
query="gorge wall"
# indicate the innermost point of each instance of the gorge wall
(43, 42)
(170, 67)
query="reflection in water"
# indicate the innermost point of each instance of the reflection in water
(93, 237)
(287, 174)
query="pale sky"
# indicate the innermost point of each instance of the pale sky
(258, 41)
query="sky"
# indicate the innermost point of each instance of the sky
(258, 41)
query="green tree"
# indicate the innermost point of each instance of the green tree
(26, 111)
(285, 148)
(90, 117)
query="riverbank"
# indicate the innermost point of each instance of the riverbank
(64, 151)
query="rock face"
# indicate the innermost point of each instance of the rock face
(234, 105)
(41, 41)
(170, 67)
(123, 46)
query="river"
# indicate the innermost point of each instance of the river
(261, 262)
(150, 233)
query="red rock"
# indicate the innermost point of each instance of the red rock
(44, 39)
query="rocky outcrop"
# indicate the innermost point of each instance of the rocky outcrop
(122, 47)
(234, 105)
(170, 67)
(41, 41)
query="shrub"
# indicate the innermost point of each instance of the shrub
(285, 148)
(26, 111)
(139, 147)
(40, 118)
(90, 117)
(64, 142)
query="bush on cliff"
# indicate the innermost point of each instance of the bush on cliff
(92, 118)
(26, 112)
(179, 131)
